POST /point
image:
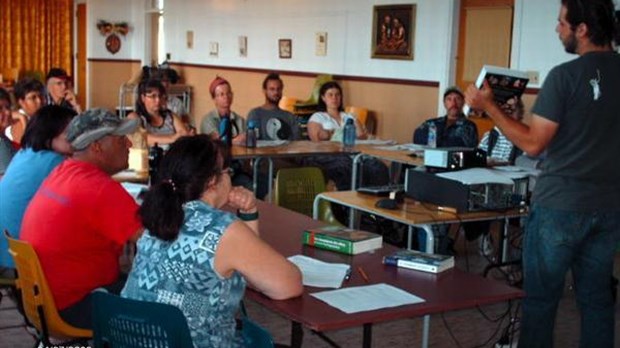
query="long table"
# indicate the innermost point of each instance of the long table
(415, 214)
(450, 290)
(302, 148)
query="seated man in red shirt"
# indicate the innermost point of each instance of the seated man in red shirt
(80, 218)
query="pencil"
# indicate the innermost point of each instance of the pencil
(363, 274)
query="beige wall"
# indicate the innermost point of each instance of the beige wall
(398, 108)
(105, 79)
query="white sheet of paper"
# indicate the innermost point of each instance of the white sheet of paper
(367, 298)
(270, 143)
(320, 274)
(474, 176)
(134, 189)
(374, 142)
(403, 147)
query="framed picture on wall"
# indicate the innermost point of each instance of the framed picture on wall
(393, 29)
(285, 48)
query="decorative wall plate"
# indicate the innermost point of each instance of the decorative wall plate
(113, 43)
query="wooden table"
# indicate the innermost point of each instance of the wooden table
(300, 148)
(399, 156)
(414, 213)
(447, 291)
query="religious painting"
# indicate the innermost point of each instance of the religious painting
(393, 31)
(285, 48)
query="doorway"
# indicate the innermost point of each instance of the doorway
(485, 37)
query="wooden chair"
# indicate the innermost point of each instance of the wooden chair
(483, 124)
(288, 104)
(296, 188)
(123, 322)
(38, 302)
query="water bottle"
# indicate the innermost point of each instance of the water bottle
(348, 137)
(250, 135)
(226, 130)
(431, 140)
(155, 155)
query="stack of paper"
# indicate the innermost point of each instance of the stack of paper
(320, 274)
(270, 143)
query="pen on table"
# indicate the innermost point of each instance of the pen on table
(363, 274)
(347, 276)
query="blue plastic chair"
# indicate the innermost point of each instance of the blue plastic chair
(124, 323)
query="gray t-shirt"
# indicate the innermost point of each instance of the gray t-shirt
(275, 124)
(582, 171)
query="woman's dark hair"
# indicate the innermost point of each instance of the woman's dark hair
(144, 88)
(48, 123)
(598, 15)
(183, 175)
(324, 88)
(27, 85)
(4, 95)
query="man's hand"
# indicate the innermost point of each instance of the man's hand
(72, 99)
(479, 99)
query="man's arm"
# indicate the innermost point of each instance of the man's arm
(532, 138)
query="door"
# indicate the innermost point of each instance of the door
(485, 37)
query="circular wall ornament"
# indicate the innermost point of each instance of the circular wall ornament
(113, 43)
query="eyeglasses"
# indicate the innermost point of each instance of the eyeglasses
(228, 171)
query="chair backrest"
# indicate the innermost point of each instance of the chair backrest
(288, 103)
(360, 113)
(296, 188)
(37, 299)
(483, 124)
(120, 322)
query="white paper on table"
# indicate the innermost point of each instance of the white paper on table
(474, 176)
(374, 142)
(320, 274)
(367, 298)
(404, 147)
(270, 143)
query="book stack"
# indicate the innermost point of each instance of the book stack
(420, 261)
(341, 239)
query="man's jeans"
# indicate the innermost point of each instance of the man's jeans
(585, 243)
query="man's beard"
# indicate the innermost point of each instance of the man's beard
(274, 101)
(570, 44)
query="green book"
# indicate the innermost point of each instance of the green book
(413, 259)
(341, 239)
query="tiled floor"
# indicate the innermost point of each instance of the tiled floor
(479, 327)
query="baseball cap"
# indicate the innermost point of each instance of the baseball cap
(216, 82)
(57, 73)
(453, 89)
(94, 124)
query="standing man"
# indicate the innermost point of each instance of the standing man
(274, 123)
(80, 218)
(575, 217)
(60, 91)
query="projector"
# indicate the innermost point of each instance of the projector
(454, 158)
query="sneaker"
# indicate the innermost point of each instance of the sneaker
(486, 245)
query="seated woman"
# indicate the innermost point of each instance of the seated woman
(187, 230)
(6, 146)
(44, 146)
(161, 125)
(28, 94)
(328, 124)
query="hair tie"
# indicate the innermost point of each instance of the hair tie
(171, 183)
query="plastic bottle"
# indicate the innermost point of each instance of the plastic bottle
(225, 130)
(155, 155)
(348, 136)
(251, 136)
(432, 136)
